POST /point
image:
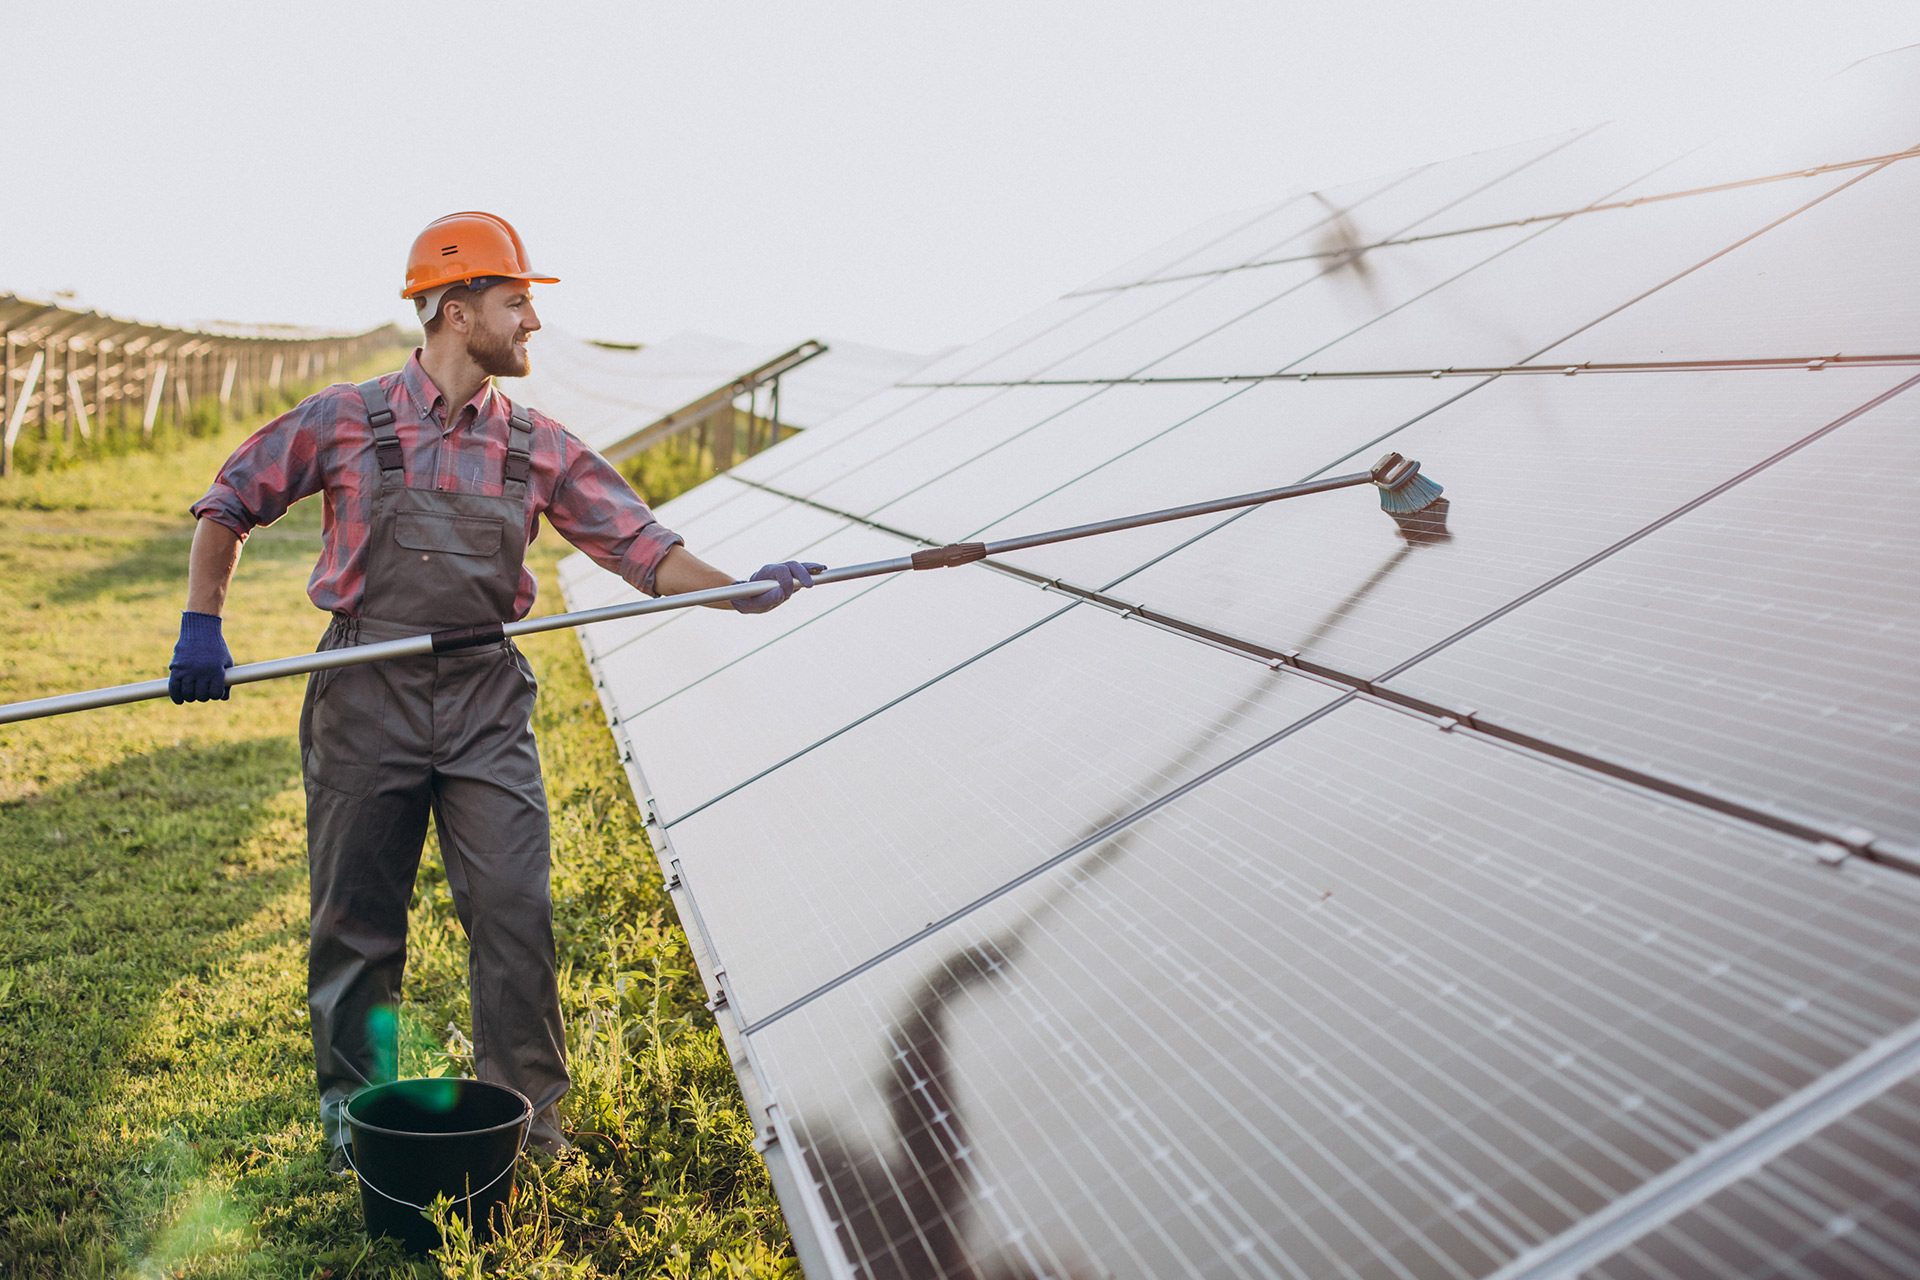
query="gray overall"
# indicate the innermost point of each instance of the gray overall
(384, 744)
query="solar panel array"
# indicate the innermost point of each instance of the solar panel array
(606, 394)
(1277, 895)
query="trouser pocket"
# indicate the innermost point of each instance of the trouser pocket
(513, 758)
(343, 727)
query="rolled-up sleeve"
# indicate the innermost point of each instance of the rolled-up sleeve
(596, 510)
(272, 469)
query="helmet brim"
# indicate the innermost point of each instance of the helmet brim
(414, 291)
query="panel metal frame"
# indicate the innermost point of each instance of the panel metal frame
(1722, 1162)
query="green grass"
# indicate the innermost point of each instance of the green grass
(156, 1095)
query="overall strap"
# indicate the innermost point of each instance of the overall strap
(386, 441)
(519, 449)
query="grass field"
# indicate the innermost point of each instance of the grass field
(156, 1096)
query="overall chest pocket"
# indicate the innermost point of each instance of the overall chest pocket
(456, 535)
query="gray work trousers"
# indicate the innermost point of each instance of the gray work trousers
(383, 745)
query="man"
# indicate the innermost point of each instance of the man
(434, 484)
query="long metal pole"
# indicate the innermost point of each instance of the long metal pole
(468, 637)
(353, 655)
(967, 552)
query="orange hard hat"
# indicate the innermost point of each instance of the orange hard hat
(463, 248)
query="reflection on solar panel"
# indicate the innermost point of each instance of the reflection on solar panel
(1272, 895)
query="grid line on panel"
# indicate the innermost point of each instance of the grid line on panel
(1336, 211)
(1653, 527)
(1342, 337)
(1835, 843)
(1567, 337)
(1816, 171)
(1812, 364)
(1072, 851)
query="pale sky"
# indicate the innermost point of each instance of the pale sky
(911, 174)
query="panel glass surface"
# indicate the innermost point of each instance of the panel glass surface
(1762, 645)
(793, 532)
(1582, 168)
(1165, 258)
(1358, 214)
(1870, 109)
(585, 585)
(1566, 278)
(653, 661)
(713, 505)
(1182, 306)
(871, 836)
(1540, 473)
(964, 364)
(1844, 1205)
(921, 442)
(850, 439)
(1377, 1002)
(1138, 449)
(1838, 278)
(1230, 328)
(1304, 225)
(760, 528)
(837, 433)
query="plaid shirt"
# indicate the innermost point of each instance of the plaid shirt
(324, 444)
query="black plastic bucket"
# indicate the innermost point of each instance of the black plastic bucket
(414, 1140)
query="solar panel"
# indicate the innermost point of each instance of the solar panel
(1377, 1001)
(1279, 894)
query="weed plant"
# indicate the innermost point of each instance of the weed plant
(156, 1088)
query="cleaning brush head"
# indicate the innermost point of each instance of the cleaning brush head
(1403, 490)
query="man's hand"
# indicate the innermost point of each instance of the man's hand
(200, 660)
(791, 577)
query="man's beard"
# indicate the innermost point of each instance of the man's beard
(497, 355)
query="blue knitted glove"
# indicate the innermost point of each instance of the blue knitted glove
(791, 576)
(200, 660)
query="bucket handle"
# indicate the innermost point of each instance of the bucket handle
(526, 1135)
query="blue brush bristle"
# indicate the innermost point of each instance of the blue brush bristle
(1415, 493)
